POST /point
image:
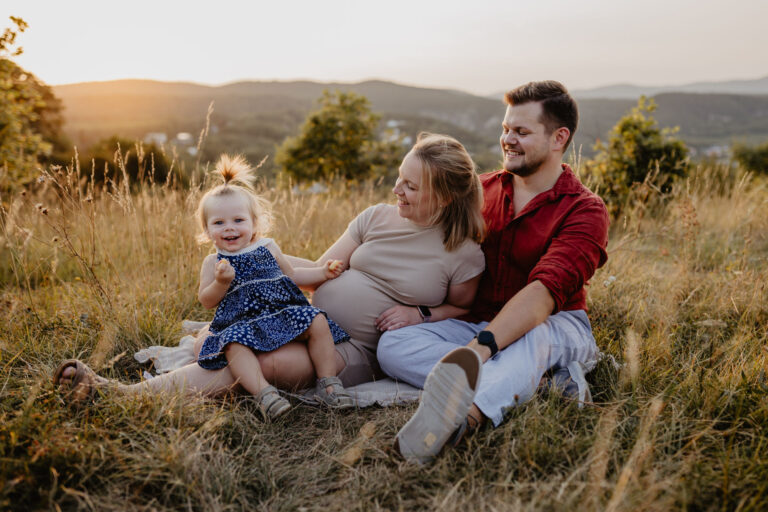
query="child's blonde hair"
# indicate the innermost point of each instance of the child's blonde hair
(238, 178)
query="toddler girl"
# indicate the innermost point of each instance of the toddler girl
(253, 288)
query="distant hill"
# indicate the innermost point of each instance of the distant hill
(757, 86)
(254, 117)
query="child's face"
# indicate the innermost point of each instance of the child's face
(230, 225)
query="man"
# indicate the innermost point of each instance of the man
(547, 235)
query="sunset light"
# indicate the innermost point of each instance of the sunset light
(481, 46)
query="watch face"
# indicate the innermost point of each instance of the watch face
(424, 310)
(484, 337)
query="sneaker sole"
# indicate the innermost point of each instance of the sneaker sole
(445, 402)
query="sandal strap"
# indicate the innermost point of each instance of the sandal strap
(335, 384)
(329, 381)
(269, 398)
(338, 397)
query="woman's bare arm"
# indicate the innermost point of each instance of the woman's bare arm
(458, 300)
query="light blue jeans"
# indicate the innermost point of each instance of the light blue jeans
(511, 376)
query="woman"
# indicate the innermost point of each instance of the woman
(417, 261)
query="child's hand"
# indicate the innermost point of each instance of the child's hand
(333, 268)
(224, 272)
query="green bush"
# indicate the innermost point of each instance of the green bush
(337, 141)
(753, 159)
(637, 150)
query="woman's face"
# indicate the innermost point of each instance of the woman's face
(414, 202)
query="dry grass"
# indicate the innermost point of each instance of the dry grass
(679, 423)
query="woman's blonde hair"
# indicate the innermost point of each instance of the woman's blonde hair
(451, 177)
(238, 178)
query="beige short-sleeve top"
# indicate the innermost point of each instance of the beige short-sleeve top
(396, 262)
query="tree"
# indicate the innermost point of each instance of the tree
(30, 115)
(637, 147)
(753, 159)
(337, 140)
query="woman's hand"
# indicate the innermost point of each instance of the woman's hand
(397, 317)
(224, 272)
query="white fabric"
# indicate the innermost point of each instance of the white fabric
(166, 359)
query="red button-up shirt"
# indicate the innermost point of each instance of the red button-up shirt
(559, 238)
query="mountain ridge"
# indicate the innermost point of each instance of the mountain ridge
(254, 117)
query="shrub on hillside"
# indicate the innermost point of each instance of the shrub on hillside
(637, 149)
(338, 140)
(753, 159)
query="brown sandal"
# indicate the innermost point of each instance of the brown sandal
(83, 382)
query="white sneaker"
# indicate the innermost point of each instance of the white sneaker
(445, 402)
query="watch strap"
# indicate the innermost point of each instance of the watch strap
(424, 313)
(489, 340)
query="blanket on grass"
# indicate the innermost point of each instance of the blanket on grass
(384, 392)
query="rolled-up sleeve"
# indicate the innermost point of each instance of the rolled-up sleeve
(575, 252)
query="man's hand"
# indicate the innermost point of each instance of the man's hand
(224, 272)
(397, 317)
(333, 268)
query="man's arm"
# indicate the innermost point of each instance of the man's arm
(528, 308)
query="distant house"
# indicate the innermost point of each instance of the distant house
(157, 138)
(184, 139)
(393, 133)
(718, 152)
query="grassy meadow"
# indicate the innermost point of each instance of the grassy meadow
(679, 419)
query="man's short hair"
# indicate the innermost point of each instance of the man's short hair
(558, 108)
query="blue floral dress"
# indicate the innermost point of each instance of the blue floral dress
(263, 309)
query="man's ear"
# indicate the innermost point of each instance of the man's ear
(559, 138)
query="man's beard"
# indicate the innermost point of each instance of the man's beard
(526, 169)
(523, 171)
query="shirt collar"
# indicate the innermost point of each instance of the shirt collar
(567, 184)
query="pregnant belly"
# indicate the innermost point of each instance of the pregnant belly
(353, 301)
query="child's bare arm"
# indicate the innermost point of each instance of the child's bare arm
(215, 278)
(306, 277)
(313, 277)
(297, 262)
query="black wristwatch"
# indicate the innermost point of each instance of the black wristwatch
(489, 340)
(426, 314)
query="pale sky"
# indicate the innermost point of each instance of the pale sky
(480, 46)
